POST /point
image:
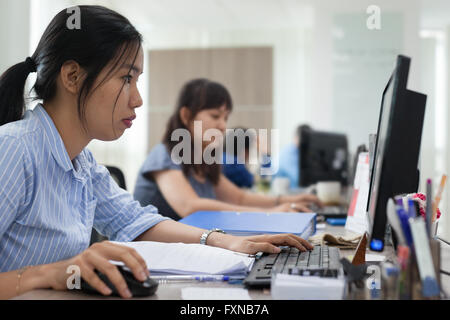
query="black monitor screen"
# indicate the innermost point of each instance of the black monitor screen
(397, 148)
(383, 125)
(323, 157)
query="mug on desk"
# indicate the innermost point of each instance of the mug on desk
(329, 192)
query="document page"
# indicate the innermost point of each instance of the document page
(181, 258)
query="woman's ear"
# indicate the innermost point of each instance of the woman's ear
(185, 115)
(71, 74)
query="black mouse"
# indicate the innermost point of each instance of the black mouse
(136, 287)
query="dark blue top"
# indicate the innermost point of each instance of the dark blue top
(237, 173)
(147, 191)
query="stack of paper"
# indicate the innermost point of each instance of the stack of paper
(180, 258)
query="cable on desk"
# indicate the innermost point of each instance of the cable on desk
(445, 272)
(445, 241)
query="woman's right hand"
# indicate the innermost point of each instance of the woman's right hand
(97, 257)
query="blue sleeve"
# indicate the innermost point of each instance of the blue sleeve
(159, 159)
(16, 180)
(117, 214)
(238, 174)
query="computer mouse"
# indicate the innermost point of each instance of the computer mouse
(136, 287)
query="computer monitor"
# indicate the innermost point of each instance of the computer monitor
(323, 157)
(395, 166)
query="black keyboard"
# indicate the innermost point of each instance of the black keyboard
(331, 211)
(321, 261)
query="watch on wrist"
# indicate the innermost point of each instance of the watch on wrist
(206, 234)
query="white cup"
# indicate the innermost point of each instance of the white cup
(329, 192)
(280, 186)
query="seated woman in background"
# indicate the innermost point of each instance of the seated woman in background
(289, 159)
(181, 189)
(232, 167)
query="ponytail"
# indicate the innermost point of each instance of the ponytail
(12, 83)
(105, 37)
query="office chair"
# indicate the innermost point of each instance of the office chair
(119, 177)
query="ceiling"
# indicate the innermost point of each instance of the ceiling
(217, 14)
(257, 14)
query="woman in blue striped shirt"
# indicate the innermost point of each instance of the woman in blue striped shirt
(52, 192)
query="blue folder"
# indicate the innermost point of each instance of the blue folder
(252, 223)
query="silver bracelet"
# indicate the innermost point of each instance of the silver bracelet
(206, 234)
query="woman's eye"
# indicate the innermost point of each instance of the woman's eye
(128, 78)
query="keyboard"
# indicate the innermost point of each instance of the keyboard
(321, 261)
(331, 211)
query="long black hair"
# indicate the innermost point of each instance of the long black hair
(103, 37)
(197, 95)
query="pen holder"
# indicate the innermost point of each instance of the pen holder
(389, 281)
(435, 248)
(415, 280)
(406, 279)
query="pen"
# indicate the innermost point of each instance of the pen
(403, 217)
(429, 207)
(189, 278)
(437, 199)
(412, 212)
(395, 223)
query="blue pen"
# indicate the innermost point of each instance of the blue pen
(412, 212)
(399, 203)
(212, 278)
(404, 217)
(189, 278)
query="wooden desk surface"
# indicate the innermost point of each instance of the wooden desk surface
(172, 291)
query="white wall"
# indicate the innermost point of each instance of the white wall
(14, 37)
(327, 105)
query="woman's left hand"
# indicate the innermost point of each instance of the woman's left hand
(254, 244)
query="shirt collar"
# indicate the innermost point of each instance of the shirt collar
(54, 139)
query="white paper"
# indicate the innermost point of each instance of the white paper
(374, 257)
(370, 257)
(294, 287)
(181, 258)
(196, 293)
(357, 213)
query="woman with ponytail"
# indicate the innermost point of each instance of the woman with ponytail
(52, 192)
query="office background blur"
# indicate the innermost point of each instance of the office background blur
(285, 62)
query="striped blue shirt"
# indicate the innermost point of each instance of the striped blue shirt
(49, 204)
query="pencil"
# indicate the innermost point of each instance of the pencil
(437, 199)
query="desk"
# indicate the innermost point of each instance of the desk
(172, 291)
